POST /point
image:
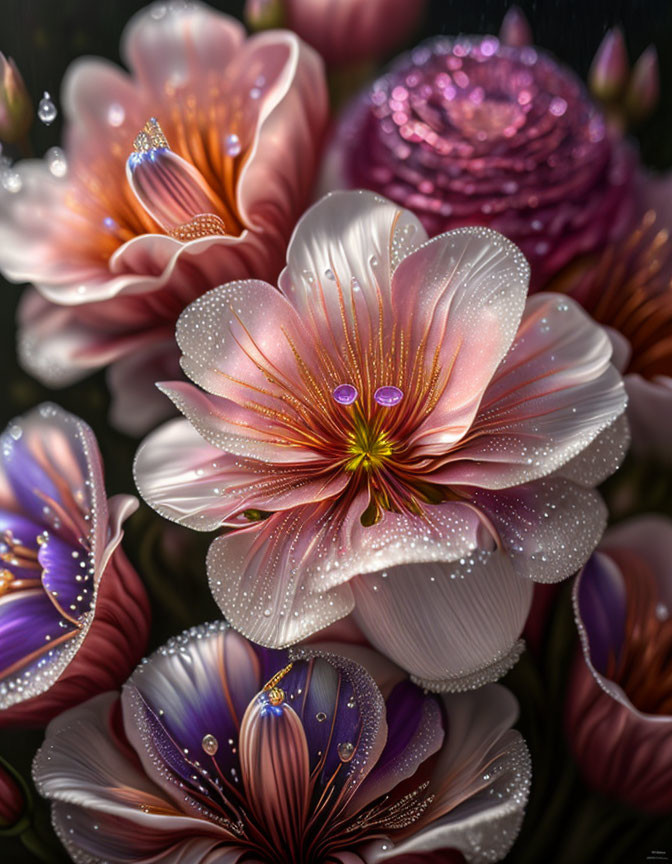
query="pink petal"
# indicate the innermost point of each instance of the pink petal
(288, 118)
(548, 527)
(650, 415)
(340, 262)
(462, 295)
(286, 578)
(106, 800)
(552, 395)
(105, 109)
(601, 457)
(179, 47)
(237, 337)
(137, 405)
(650, 538)
(233, 429)
(482, 755)
(195, 484)
(33, 232)
(60, 344)
(453, 627)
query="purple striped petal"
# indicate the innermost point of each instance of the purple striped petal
(67, 576)
(29, 625)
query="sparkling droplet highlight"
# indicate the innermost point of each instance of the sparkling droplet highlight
(346, 751)
(46, 110)
(210, 744)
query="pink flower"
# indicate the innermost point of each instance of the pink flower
(396, 403)
(468, 131)
(74, 616)
(219, 750)
(628, 288)
(118, 247)
(619, 708)
(343, 31)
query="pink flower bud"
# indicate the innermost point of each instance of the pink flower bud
(609, 70)
(515, 29)
(16, 109)
(643, 90)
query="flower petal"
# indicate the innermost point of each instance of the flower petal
(481, 780)
(106, 807)
(179, 46)
(286, 578)
(548, 527)
(190, 482)
(198, 685)
(340, 262)
(462, 294)
(552, 395)
(453, 627)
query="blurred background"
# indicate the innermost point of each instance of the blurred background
(565, 822)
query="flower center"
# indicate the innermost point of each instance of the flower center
(369, 449)
(16, 555)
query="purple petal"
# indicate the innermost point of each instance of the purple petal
(29, 624)
(67, 576)
(600, 596)
(190, 692)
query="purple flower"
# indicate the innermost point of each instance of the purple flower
(619, 706)
(219, 750)
(74, 616)
(468, 131)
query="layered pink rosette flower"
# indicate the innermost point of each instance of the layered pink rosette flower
(396, 431)
(344, 31)
(628, 288)
(468, 131)
(619, 698)
(74, 617)
(219, 750)
(223, 135)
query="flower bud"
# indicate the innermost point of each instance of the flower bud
(643, 90)
(515, 29)
(264, 14)
(609, 70)
(16, 108)
(12, 802)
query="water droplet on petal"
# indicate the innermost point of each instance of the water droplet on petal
(388, 396)
(346, 751)
(210, 744)
(232, 144)
(345, 394)
(56, 161)
(329, 273)
(320, 717)
(11, 181)
(46, 110)
(662, 612)
(116, 114)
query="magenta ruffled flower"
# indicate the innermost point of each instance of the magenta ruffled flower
(397, 431)
(223, 134)
(468, 131)
(619, 699)
(74, 617)
(222, 751)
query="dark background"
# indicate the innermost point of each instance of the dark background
(565, 823)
